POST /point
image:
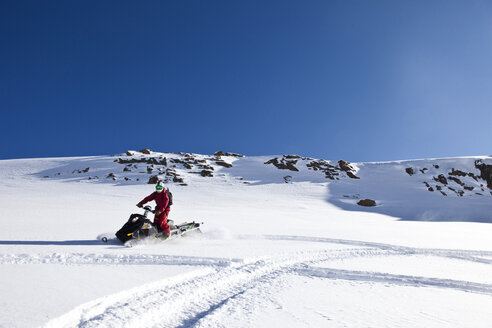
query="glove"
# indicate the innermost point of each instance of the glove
(139, 205)
(157, 212)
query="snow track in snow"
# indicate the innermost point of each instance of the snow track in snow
(404, 280)
(465, 255)
(184, 301)
(113, 259)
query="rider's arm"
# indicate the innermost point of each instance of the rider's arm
(147, 199)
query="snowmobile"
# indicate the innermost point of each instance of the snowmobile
(140, 230)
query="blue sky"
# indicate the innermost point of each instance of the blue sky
(358, 80)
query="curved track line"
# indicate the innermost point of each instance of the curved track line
(465, 255)
(379, 277)
(189, 298)
(114, 259)
(170, 305)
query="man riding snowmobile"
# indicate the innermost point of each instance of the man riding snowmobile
(162, 208)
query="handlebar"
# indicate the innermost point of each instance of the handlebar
(147, 208)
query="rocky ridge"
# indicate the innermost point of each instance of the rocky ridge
(456, 181)
(146, 166)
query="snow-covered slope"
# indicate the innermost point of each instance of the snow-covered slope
(285, 242)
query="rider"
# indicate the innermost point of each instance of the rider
(162, 207)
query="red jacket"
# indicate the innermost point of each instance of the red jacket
(161, 199)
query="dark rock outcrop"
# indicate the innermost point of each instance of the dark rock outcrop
(410, 171)
(348, 169)
(457, 173)
(82, 171)
(441, 178)
(458, 181)
(221, 153)
(331, 172)
(485, 172)
(283, 164)
(150, 160)
(234, 155)
(345, 166)
(153, 179)
(224, 164)
(145, 151)
(206, 173)
(351, 175)
(366, 202)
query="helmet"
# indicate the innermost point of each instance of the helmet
(159, 187)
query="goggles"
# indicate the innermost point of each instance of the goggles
(159, 187)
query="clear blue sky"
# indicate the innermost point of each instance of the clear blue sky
(358, 80)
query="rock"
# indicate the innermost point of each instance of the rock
(366, 202)
(458, 181)
(288, 179)
(111, 176)
(219, 153)
(410, 171)
(430, 189)
(468, 188)
(151, 160)
(145, 151)
(81, 171)
(178, 180)
(283, 164)
(153, 179)
(129, 153)
(441, 178)
(224, 164)
(206, 167)
(149, 169)
(436, 166)
(330, 171)
(126, 169)
(206, 173)
(292, 156)
(485, 172)
(345, 166)
(443, 193)
(439, 188)
(351, 175)
(423, 170)
(457, 172)
(234, 155)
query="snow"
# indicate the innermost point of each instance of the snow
(296, 254)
